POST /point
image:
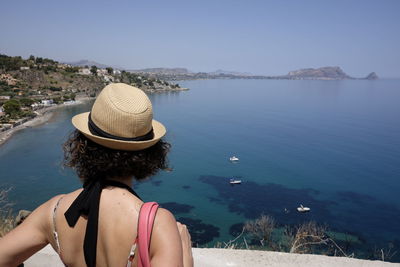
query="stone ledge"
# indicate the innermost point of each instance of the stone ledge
(214, 257)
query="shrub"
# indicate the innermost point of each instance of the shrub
(12, 107)
(261, 228)
(6, 218)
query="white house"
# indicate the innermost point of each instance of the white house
(101, 72)
(108, 78)
(84, 71)
(47, 102)
(116, 72)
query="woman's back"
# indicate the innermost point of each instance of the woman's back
(117, 230)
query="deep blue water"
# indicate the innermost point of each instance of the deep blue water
(331, 145)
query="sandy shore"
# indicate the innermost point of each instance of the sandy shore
(214, 257)
(44, 115)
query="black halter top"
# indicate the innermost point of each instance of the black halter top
(87, 204)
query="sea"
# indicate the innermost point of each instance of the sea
(332, 146)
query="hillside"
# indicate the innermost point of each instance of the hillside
(30, 84)
(171, 71)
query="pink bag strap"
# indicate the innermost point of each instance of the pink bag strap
(145, 226)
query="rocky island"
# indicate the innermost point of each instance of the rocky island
(324, 73)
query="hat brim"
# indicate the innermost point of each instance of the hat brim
(80, 122)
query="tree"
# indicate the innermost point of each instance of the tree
(304, 237)
(72, 69)
(109, 70)
(56, 100)
(54, 88)
(39, 60)
(32, 57)
(93, 70)
(26, 102)
(260, 228)
(12, 107)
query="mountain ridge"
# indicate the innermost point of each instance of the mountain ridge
(180, 73)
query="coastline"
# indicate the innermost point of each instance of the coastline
(43, 116)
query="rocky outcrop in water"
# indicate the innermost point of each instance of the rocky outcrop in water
(324, 73)
(372, 76)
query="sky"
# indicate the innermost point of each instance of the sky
(259, 37)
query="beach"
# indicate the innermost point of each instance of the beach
(43, 115)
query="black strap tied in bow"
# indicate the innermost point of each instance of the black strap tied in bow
(94, 129)
(87, 203)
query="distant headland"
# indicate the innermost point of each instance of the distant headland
(324, 73)
(175, 74)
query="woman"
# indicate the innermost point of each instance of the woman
(116, 142)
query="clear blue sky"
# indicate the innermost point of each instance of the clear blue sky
(261, 37)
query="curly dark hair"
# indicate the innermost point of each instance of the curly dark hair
(92, 161)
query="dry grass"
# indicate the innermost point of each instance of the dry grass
(260, 228)
(6, 218)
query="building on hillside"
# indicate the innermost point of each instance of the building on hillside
(84, 71)
(47, 102)
(4, 97)
(101, 72)
(35, 106)
(116, 72)
(63, 66)
(24, 68)
(108, 78)
(10, 80)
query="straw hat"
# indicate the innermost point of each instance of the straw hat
(121, 118)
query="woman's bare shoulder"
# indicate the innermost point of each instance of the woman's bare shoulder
(165, 242)
(164, 216)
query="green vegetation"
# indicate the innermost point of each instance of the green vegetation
(12, 108)
(11, 63)
(26, 102)
(72, 69)
(93, 70)
(110, 70)
(6, 218)
(263, 233)
(25, 82)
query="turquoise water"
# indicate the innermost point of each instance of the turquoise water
(331, 145)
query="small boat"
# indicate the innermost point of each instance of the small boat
(303, 209)
(233, 159)
(235, 181)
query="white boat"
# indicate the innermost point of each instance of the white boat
(233, 159)
(303, 209)
(235, 181)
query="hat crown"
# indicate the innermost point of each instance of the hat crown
(123, 110)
